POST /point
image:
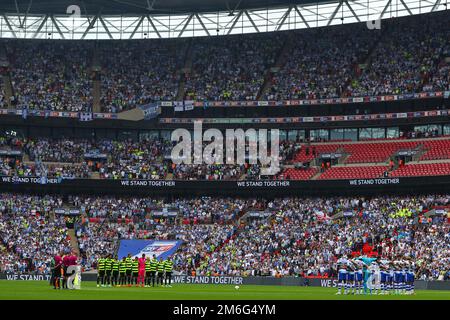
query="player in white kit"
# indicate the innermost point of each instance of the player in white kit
(342, 266)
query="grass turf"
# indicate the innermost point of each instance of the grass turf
(40, 290)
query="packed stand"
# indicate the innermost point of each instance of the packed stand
(28, 233)
(231, 68)
(136, 72)
(321, 62)
(51, 75)
(407, 59)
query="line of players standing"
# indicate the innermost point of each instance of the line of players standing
(380, 275)
(142, 271)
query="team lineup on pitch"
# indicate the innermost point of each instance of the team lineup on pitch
(41, 290)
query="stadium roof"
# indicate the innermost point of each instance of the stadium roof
(131, 19)
(114, 7)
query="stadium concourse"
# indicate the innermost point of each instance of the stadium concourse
(299, 236)
(347, 61)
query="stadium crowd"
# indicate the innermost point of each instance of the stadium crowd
(114, 159)
(300, 236)
(229, 68)
(138, 72)
(29, 234)
(48, 75)
(408, 55)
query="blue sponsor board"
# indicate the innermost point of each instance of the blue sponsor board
(159, 248)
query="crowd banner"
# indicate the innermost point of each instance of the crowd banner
(190, 105)
(321, 119)
(219, 187)
(159, 248)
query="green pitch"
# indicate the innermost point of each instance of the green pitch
(41, 290)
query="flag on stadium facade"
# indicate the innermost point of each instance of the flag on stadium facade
(86, 116)
(178, 106)
(188, 105)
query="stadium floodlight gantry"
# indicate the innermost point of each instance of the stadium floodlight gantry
(75, 23)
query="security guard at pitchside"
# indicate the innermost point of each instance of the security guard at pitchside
(135, 269)
(108, 270)
(129, 264)
(100, 271)
(115, 271)
(122, 272)
(168, 268)
(153, 269)
(161, 268)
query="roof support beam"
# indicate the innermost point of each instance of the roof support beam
(57, 27)
(235, 20)
(385, 8)
(26, 14)
(353, 12)
(40, 26)
(251, 20)
(106, 28)
(436, 5)
(201, 23)
(301, 16)
(335, 12)
(18, 13)
(9, 26)
(407, 8)
(89, 27)
(137, 27)
(153, 26)
(186, 24)
(283, 18)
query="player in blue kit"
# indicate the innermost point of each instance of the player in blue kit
(375, 272)
(358, 278)
(391, 278)
(350, 285)
(384, 277)
(410, 278)
(398, 277)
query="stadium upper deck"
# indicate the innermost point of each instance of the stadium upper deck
(346, 61)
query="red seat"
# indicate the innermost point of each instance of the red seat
(336, 173)
(422, 169)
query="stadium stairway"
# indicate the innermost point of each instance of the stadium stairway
(186, 70)
(96, 83)
(366, 60)
(279, 62)
(6, 76)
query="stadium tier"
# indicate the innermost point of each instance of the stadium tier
(297, 236)
(339, 62)
(147, 159)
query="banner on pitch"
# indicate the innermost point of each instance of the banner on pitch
(159, 248)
